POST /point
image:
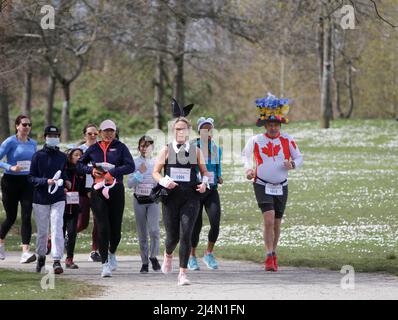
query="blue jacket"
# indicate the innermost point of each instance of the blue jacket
(117, 154)
(45, 163)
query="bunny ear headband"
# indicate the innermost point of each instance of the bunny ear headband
(177, 111)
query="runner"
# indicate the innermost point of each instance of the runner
(111, 160)
(210, 200)
(179, 160)
(90, 133)
(147, 212)
(72, 208)
(15, 188)
(48, 176)
(275, 154)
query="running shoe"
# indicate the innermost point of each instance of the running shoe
(57, 267)
(2, 252)
(167, 265)
(275, 263)
(41, 261)
(269, 264)
(155, 264)
(210, 261)
(69, 264)
(183, 280)
(27, 257)
(193, 263)
(144, 268)
(106, 270)
(112, 261)
(94, 257)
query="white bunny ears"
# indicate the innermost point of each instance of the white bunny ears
(58, 182)
(203, 120)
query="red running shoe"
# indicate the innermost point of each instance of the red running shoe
(269, 264)
(275, 263)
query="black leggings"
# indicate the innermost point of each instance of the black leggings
(180, 211)
(70, 226)
(210, 200)
(109, 215)
(16, 189)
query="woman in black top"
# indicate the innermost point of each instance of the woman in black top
(179, 160)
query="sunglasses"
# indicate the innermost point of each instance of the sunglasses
(26, 124)
(92, 134)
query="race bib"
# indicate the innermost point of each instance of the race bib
(24, 164)
(273, 189)
(143, 189)
(180, 174)
(72, 197)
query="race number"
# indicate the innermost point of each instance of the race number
(143, 189)
(72, 197)
(180, 174)
(273, 189)
(24, 164)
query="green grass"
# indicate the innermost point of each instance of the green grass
(17, 285)
(342, 207)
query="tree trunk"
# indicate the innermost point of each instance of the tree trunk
(4, 115)
(65, 113)
(27, 96)
(350, 92)
(320, 39)
(326, 75)
(50, 100)
(157, 106)
(337, 97)
(179, 62)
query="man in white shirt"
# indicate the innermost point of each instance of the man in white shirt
(275, 153)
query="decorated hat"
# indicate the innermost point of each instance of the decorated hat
(272, 109)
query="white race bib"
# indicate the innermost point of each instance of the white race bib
(24, 164)
(72, 197)
(143, 189)
(273, 189)
(180, 174)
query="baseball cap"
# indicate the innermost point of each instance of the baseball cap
(107, 124)
(51, 130)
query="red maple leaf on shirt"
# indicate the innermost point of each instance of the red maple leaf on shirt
(270, 150)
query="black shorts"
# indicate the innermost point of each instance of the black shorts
(267, 202)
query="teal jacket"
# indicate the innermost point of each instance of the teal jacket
(213, 161)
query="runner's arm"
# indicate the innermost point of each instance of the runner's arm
(247, 155)
(295, 154)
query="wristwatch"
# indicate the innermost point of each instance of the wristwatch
(293, 164)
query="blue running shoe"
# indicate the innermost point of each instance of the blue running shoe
(193, 263)
(210, 261)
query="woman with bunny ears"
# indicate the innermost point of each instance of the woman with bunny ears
(210, 200)
(180, 160)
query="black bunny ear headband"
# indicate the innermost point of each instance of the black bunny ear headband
(178, 111)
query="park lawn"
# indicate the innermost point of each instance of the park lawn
(18, 285)
(342, 207)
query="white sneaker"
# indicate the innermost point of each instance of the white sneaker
(27, 257)
(2, 252)
(106, 270)
(183, 280)
(112, 261)
(167, 265)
